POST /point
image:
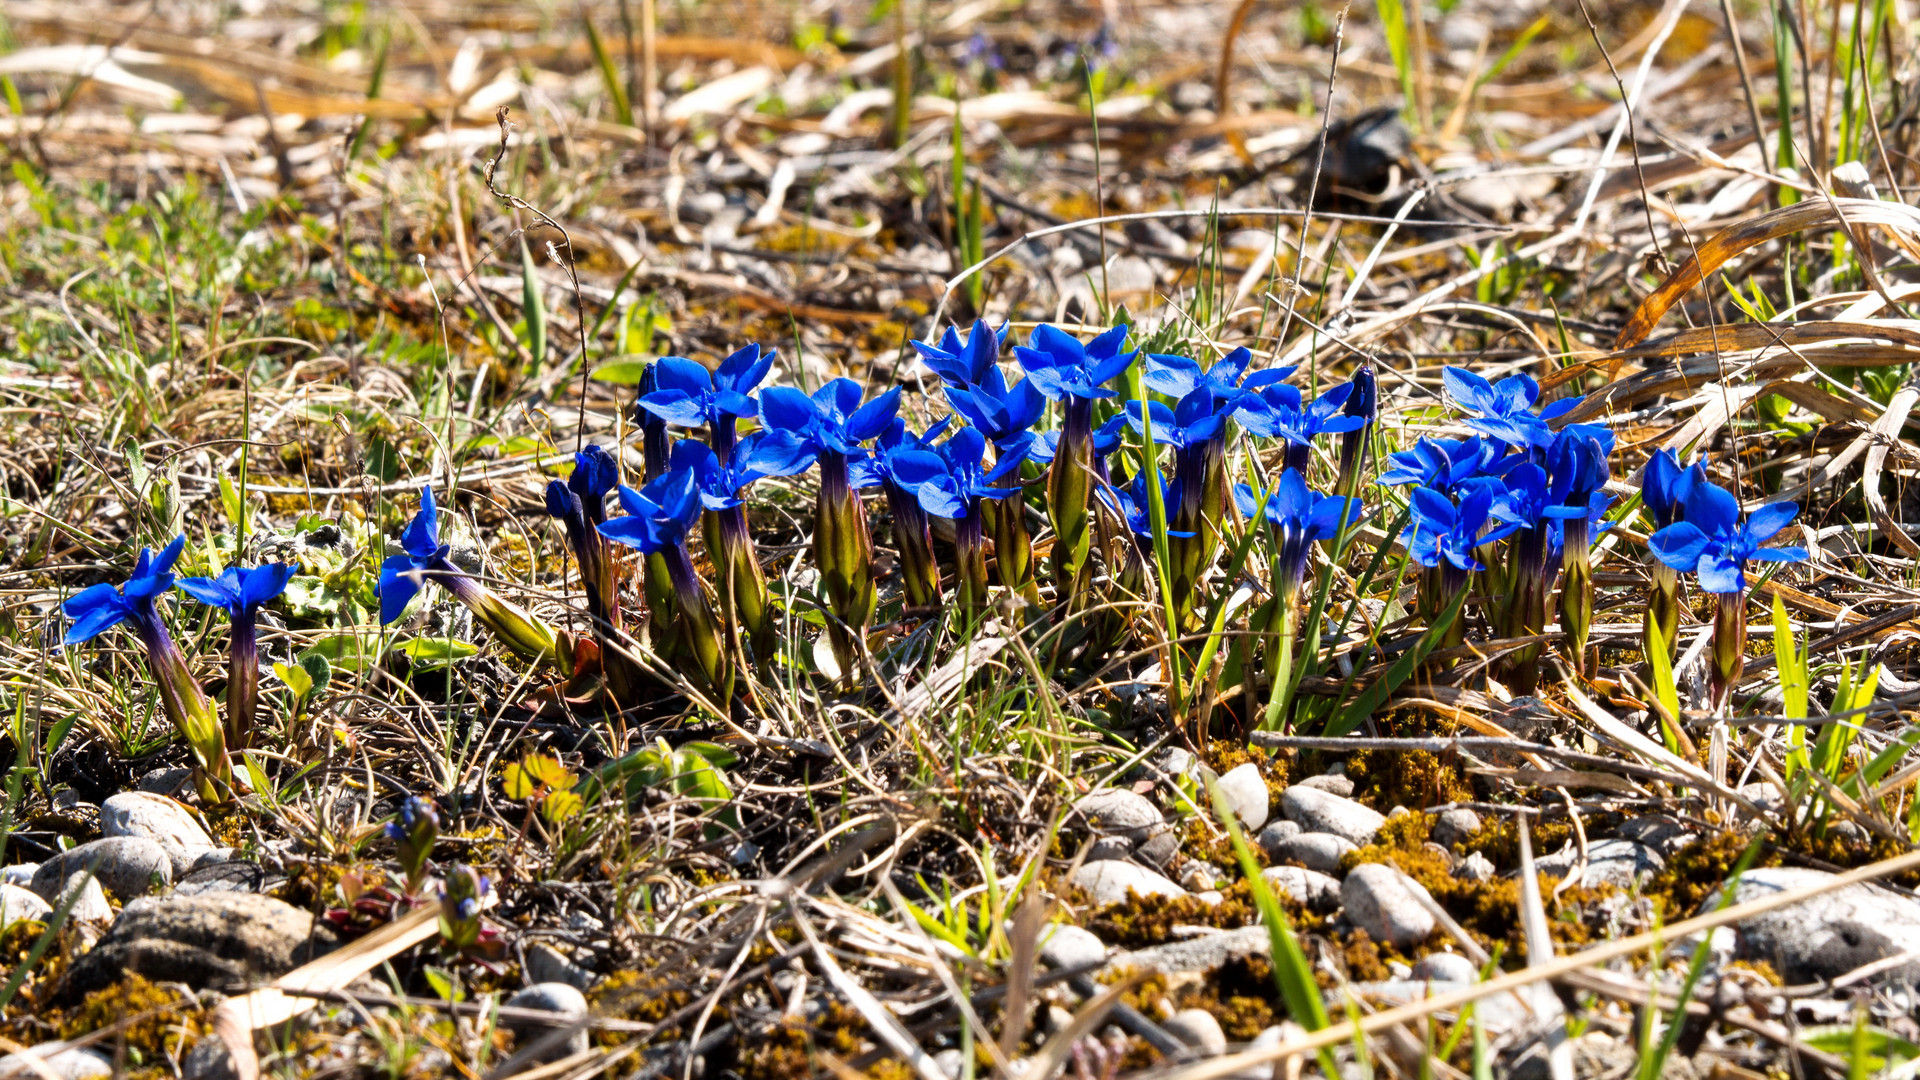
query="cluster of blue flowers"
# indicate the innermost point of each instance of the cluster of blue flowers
(1514, 506)
(1537, 494)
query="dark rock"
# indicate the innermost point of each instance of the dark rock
(242, 877)
(128, 866)
(227, 941)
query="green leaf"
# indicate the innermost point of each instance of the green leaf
(348, 652)
(609, 73)
(429, 653)
(1883, 1047)
(382, 460)
(1663, 684)
(622, 370)
(296, 678)
(536, 311)
(1292, 971)
(310, 597)
(444, 983)
(318, 668)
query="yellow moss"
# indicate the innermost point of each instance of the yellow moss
(787, 1052)
(173, 1025)
(1412, 778)
(1144, 921)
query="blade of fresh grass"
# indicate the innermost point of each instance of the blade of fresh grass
(1292, 971)
(1652, 1066)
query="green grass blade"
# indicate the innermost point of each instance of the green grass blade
(609, 73)
(536, 310)
(1292, 971)
(1698, 966)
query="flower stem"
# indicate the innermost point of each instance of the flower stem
(843, 548)
(1729, 646)
(243, 679)
(187, 707)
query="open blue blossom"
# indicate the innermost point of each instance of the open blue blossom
(964, 363)
(1061, 368)
(690, 396)
(831, 426)
(99, 608)
(1197, 418)
(1299, 516)
(658, 518)
(903, 461)
(833, 420)
(1002, 413)
(1445, 535)
(954, 490)
(240, 593)
(1443, 464)
(1505, 410)
(1226, 380)
(1277, 413)
(1715, 545)
(1664, 484)
(425, 558)
(1106, 439)
(1066, 371)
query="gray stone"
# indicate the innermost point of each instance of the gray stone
(1324, 812)
(1268, 1038)
(1119, 812)
(20, 874)
(128, 866)
(222, 877)
(1275, 834)
(165, 781)
(1332, 783)
(83, 1064)
(565, 1002)
(1474, 867)
(1110, 882)
(222, 940)
(1314, 850)
(159, 819)
(90, 909)
(1316, 891)
(1195, 954)
(1609, 862)
(208, 1060)
(1199, 875)
(1663, 834)
(948, 1061)
(1064, 945)
(1504, 1014)
(1455, 826)
(1211, 897)
(17, 903)
(1159, 848)
(1446, 967)
(546, 964)
(1245, 792)
(1764, 795)
(213, 856)
(1438, 852)
(1829, 935)
(1378, 900)
(1198, 1029)
(1175, 762)
(1109, 847)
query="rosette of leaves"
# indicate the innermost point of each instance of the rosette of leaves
(692, 771)
(542, 781)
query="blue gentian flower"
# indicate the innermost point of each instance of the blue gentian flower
(1226, 380)
(1715, 545)
(425, 557)
(953, 489)
(690, 396)
(1444, 536)
(964, 363)
(1066, 371)
(580, 503)
(99, 608)
(461, 897)
(1443, 464)
(832, 425)
(1505, 411)
(1133, 504)
(240, 593)
(1196, 427)
(1663, 491)
(655, 444)
(1276, 412)
(1298, 516)
(658, 518)
(903, 461)
(729, 543)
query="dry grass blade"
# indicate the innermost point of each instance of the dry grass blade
(1724, 245)
(882, 1022)
(235, 1021)
(1886, 430)
(1533, 919)
(1052, 1056)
